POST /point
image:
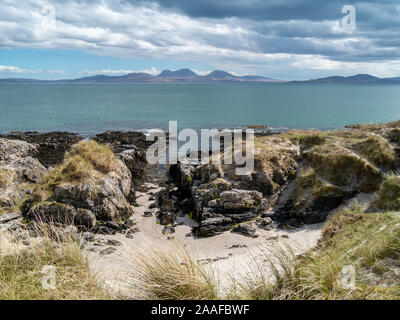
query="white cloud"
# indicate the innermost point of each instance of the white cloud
(152, 71)
(58, 72)
(14, 69)
(132, 31)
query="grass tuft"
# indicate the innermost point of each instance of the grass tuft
(86, 160)
(21, 270)
(389, 193)
(171, 273)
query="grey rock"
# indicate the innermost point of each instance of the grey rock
(112, 242)
(104, 230)
(129, 234)
(52, 213)
(153, 205)
(128, 224)
(107, 251)
(168, 230)
(148, 214)
(85, 218)
(245, 230)
(88, 236)
(263, 222)
(167, 218)
(5, 218)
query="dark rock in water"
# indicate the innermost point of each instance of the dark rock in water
(245, 230)
(51, 146)
(121, 141)
(85, 218)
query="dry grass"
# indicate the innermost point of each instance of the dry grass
(5, 178)
(170, 273)
(394, 124)
(99, 156)
(389, 193)
(21, 270)
(343, 168)
(86, 160)
(377, 150)
(370, 244)
(270, 282)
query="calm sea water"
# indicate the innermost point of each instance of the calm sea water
(93, 108)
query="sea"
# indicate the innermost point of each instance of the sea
(88, 109)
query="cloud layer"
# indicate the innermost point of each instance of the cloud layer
(285, 38)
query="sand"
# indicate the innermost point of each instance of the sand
(229, 255)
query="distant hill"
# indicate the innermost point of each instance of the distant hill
(182, 75)
(359, 78)
(187, 75)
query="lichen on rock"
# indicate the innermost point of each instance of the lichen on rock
(90, 178)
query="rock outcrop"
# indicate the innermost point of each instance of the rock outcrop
(50, 147)
(18, 165)
(336, 166)
(91, 185)
(302, 176)
(131, 148)
(220, 198)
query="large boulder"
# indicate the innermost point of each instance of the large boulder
(18, 166)
(221, 198)
(92, 184)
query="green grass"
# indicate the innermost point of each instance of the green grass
(377, 150)
(367, 242)
(343, 168)
(389, 193)
(86, 160)
(21, 271)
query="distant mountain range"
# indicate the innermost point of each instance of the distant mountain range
(187, 75)
(182, 75)
(359, 78)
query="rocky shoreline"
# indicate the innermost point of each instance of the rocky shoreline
(300, 177)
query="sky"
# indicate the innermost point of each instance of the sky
(285, 39)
